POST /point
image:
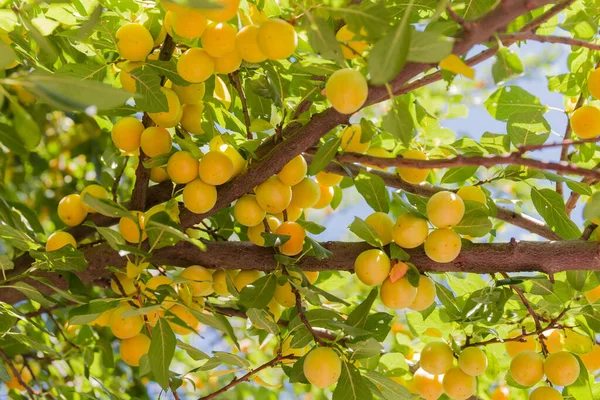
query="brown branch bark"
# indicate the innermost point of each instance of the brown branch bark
(234, 78)
(512, 37)
(17, 375)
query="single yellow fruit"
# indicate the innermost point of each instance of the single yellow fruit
(127, 284)
(153, 284)
(577, 343)
(246, 42)
(305, 194)
(312, 276)
(473, 193)
(168, 23)
(188, 22)
(203, 285)
(186, 316)
(410, 231)
(561, 368)
(171, 117)
(284, 294)
(190, 94)
(195, 65)
(293, 212)
(351, 140)
(254, 232)
(219, 39)
(127, 133)
(158, 174)
(103, 320)
(325, 198)
(125, 327)
(593, 295)
(131, 230)
(443, 245)
(277, 39)
(182, 167)
(322, 367)
(350, 48)
(94, 190)
(133, 348)
(413, 175)
(134, 42)
(594, 83)
(215, 168)
(458, 385)
(239, 163)
(71, 210)
(162, 35)
(156, 141)
(273, 195)
(228, 9)
(426, 385)
(585, 122)
(245, 277)
(60, 239)
(247, 212)
(191, 118)
(328, 178)
(545, 393)
(436, 358)
(554, 340)
(294, 171)
(445, 209)
(347, 90)
(382, 224)
(591, 360)
(128, 82)
(220, 281)
(425, 294)
(472, 361)
(296, 241)
(228, 63)
(399, 294)
(515, 347)
(372, 267)
(527, 368)
(199, 197)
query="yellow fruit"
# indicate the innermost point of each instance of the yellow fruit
(294, 171)
(515, 347)
(443, 245)
(593, 295)
(293, 212)
(378, 152)
(182, 167)
(155, 141)
(545, 393)
(162, 35)
(325, 198)
(60, 239)
(203, 285)
(125, 327)
(458, 385)
(351, 140)
(382, 224)
(585, 122)
(273, 195)
(561, 368)
(372, 267)
(195, 65)
(245, 277)
(220, 281)
(191, 118)
(473, 193)
(96, 191)
(347, 90)
(228, 63)
(312, 276)
(284, 294)
(425, 294)
(577, 343)
(594, 83)
(134, 42)
(472, 361)
(247, 211)
(158, 174)
(328, 178)
(436, 358)
(186, 316)
(126, 283)
(350, 48)
(305, 194)
(246, 42)
(500, 393)
(188, 22)
(228, 9)
(134, 348)
(554, 340)
(426, 385)
(445, 209)
(275, 309)
(168, 22)
(399, 294)
(413, 175)
(410, 231)
(287, 349)
(239, 163)
(322, 367)
(527, 368)
(127, 133)
(591, 360)
(199, 197)
(219, 39)
(171, 117)
(130, 229)
(14, 383)
(126, 79)
(190, 94)
(296, 233)
(215, 168)
(254, 232)
(103, 320)
(153, 284)
(71, 210)
(277, 39)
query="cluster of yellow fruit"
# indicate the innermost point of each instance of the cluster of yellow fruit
(585, 121)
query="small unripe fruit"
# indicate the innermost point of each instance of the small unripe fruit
(188, 22)
(229, 63)
(425, 294)
(372, 267)
(132, 349)
(245, 277)
(399, 294)
(131, 230)
(125, 327)
(199, 197)
(350, 48)
(247, 44)
(527, 368)
(458, 385)
(96, 191)
(126, 133)
(445, 209)
(294, 171)
(410, 231)
(472, 361)
(202, 277)
(277, 39)
(219, 39)
(215, 168)
(247, 211)
(585, 122)
(322, 367)
(60, 239)
(351, 140)
(254, 232)
(171, 117)
(437, 358)
(515, 347)
(305, 194)
(382, 223)
(273, 195)
(413, 175)
(296, 241)
(134, 42)
(325, 198)
(443, 245)
(220, 281)
(328, 179)
(71, 210)
(473, 193)
(426, 385)
(545, 393)
(182, 167)
(190, 94)
(347, 90)
(155, 141)
(195, 65)
(561, 368)
(227, 10)
(186, 316)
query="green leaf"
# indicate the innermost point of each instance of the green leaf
(366, 348)
(259, 293)
(568, 84)
(550, 205)
(398, 253)
(324, 155)
(191, 351)
(168, 69)
(66, 258)
(113, 238)
(592, 207)
(311, 227)
(529, 128)
(446, 297)
(17, 238)
(162, 231)
(398, 121)
(321, 38)
(262, 320)
(393, 364)
(577, 278)
(317, 250)
(10, 139)
(297, 373)
(507, 65)
(4, 376)
(218, 322)
(106, 207)
(373, 190)
(358, 316)
(231, 359)
(147, 86)
(429, 47)
(459, 174)
(27, 129)
(351, 385)
(495, 143)
(273, 239)
(7, 55)
(475, 222)
(365, 232)
(162, 349)
(31, 293)
(389, 389)
(510, 100)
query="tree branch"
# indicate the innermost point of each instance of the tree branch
(513, 37)
(234, 78)
(17, 375)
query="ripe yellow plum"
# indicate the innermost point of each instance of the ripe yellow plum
(219, 39)
(186, 316)
(277, 39)
(273, 195)
(351, 140)
(458, 385)
(554, 340)
(220, 281)
(372, 267)
(156, 141)
(254, 232)
(132, 349)
(500, 393)
(593, 295)
(293, 212)
(296, 233)
(228, 63)
(284, 294)
(171, 117)
(191, 118)
(322, 367)
(247, 211)
(425, 294)
(126, 283)
(472, 361)
(245, 277)
(585, 122)
(202, 277)
(591, 360)
(215, 168)
(347, 90)
(426, 385)
(188, 22)
(312, 276)
(473, 193)
(71, 210)
(94, 190)
(134, 42)
(247, 45)
(383, 224)
(228, 9)
(190, 94)
(443, 245)
(445, 209)
(158, 174)
(127, 133)
(125, 327)
(399, 294)
(131, 230)
(437, 358)
(195, 65)
(593, 83)
(576, 342)
(328, 178)
(127, 81)
(305, 194)
(199, 197)
(350, 48)
(325, 198)
(413, 175)
(515, 347)
(410, 231)
(103, 320)
(60, 239)
(294, 171)
(561, 368)
(527, 368)
(182, 167)
(545, 393)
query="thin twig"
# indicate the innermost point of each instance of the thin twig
(234, 78)
(512, 37)
(60, 330)
(587, 233)
(117, 180)
(17, 375)
(458, 19)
